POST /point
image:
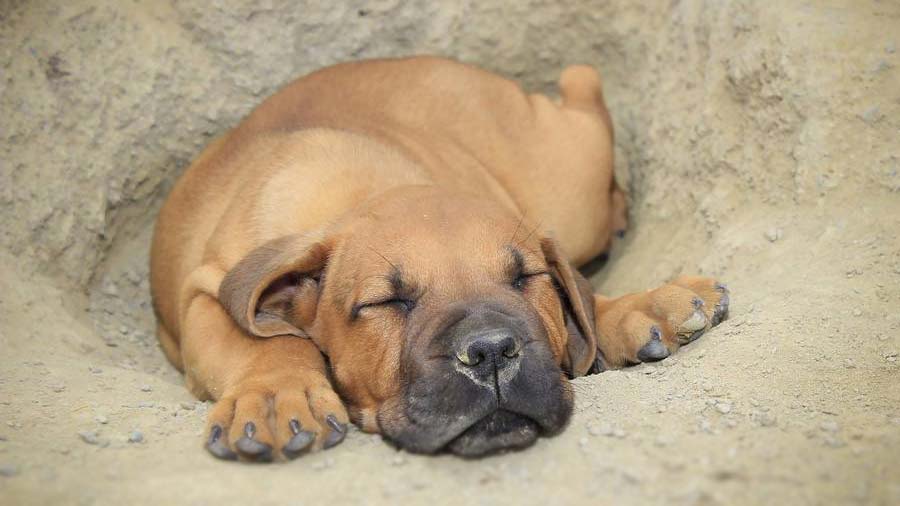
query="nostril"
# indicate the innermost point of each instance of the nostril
(493, 347)
(511, 348)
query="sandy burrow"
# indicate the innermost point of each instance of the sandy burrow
(760, 145)
(793, 400)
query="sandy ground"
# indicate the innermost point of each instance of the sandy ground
(766, 156)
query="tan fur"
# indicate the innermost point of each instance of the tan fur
(350, 151)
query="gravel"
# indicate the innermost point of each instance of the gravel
(90, 437)
(8, 470)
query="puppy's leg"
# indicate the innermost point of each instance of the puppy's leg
(273, 395)
(646, 327)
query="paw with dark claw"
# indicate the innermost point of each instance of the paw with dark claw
(251, 448)
(216, 446)
(648, 327)
(288, 420)
(300, 442)
(654, 350)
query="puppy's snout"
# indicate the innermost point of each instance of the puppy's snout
(493, 348)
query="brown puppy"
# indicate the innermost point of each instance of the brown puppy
(397, 239)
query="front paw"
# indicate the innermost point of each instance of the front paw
(261, 421)
(650, 326)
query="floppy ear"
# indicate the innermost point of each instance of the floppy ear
(577, 296)
(274, 290)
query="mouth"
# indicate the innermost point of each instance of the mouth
(499, 431)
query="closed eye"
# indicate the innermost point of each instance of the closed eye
(520, 282)
(404, 306)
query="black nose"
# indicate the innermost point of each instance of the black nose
(489, 349)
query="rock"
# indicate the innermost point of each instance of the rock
(871, 115)
(133, 276)
(136, 436)
(857, 312)
(8, 470)
(187, 406)
(723, 407)
(90, 437)
(764, 418)
(101, 419)
(834, 442)
(773, 234)
(146, 388)
(109, 288)
(601, 430)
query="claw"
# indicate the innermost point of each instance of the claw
(721, 311)
(217, 447)
(252, 448)
(300, 441)
(338, 431)
(654, 350)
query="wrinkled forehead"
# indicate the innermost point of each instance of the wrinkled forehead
(440, 239)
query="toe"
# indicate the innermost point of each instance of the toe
(295, 426)
(218, 424)
(337, 433)
(720, 312)
(251, 447)
(250, 430)
(330, 413)
(218, 446)
(654, 350)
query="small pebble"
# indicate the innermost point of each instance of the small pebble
(101, 419)
(146, 388)
(89, 437)
(724, 408)
(133, 276)
(398, 460)
(857, 312)
(136, 436)
(833, 442)
(8, 470)
(830, 426)
(187, 406)
(773, 234)
(871, 115)
(109, 288)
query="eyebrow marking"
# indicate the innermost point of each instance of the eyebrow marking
(517, 266)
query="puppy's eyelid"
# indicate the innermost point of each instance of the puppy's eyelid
(521, 280)
(406, 305)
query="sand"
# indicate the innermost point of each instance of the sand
(760, 145)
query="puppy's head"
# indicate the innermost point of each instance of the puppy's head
(448, 323)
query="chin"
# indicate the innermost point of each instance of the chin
(498, 432)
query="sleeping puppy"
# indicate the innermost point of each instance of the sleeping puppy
(394, 243)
